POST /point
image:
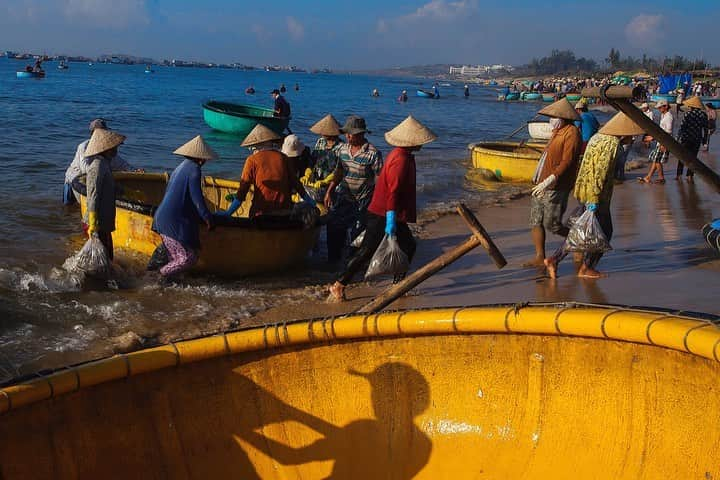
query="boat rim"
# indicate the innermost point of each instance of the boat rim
(207, 106)
(267, 222)
(688, 332)
(483, 147)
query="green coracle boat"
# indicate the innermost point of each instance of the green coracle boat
(240, 119)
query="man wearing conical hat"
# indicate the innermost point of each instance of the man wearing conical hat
(100, 212)
(554, 177)
(183, 208)
(325, 155)
(594, 186)
(269, 172)
(692, 131)
(393, 203)
(79, 164)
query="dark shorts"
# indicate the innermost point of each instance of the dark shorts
(548, 209)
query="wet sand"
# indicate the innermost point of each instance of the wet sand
(659, 259)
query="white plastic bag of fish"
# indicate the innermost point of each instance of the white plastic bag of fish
(586, 235)
(358, 240)
(93, 259)
(389, 259)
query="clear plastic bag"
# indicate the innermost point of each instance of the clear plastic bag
(93, 259)
(586, 235)
(358, 240)
(389, 259)
(574, 216)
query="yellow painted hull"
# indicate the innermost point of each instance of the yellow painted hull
(496, 392)
(227, 250)
(509, 161)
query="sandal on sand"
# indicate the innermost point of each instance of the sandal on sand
(659, 181)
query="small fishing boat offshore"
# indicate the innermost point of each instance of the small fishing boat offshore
(238, 246)
(26, 74)
(424, 93)
(239, 119)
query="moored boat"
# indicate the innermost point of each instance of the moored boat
(530, 96)
(540, 130)
(237, 247)
(424, 93)
(714, 101)
(668, 97)
(460, 393)
(26, 74)
(509, 161)
(573, 97)
(549, 97)
(240, 119)
(510, 96)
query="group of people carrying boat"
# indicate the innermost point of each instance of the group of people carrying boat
(360, 191)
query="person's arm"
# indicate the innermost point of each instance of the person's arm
(197, 197)
(395, 173)
(286, 455)
(246, 181)
(338, 176)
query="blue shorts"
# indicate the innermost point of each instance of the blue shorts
(68, 195)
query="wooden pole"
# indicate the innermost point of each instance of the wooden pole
(613, 92)
(479, 237)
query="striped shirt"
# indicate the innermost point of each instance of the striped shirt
(359, 171)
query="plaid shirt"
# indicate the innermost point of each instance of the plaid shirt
(359, 172)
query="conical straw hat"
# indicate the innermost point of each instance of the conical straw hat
(693, 102)
(621, 126)
(102, 141)
(409, 133)
(197, 148)
(259, 134)
(327, 126)
(560, 109)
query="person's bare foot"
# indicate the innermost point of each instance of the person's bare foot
(337, 293)
(586, 272)
(535, 263)
(551, 266)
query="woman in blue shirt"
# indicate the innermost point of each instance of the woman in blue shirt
(178, 217)
(587, 124)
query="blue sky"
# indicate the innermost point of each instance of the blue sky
(360, 34)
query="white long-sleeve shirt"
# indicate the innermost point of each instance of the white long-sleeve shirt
(79, 165)
(666, 122)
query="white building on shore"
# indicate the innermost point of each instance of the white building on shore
(470, 71)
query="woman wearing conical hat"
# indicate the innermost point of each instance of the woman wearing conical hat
(325, 155)
(183, 208)
(693, 126)
(269, 172)
(594, 186)
(393, 203)
(100, 214)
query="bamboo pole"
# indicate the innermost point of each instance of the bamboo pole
(479, 237)
(611, 93)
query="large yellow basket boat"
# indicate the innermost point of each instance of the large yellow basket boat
(238, 246)
(521, 392)
(509, 161)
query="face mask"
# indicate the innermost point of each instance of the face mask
(556, 123)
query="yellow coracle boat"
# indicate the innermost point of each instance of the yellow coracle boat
(509, 161)
(523, 392)
(238, 246)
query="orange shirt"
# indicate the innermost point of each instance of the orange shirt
(269, 172)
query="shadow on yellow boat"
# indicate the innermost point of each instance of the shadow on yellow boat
(238, 246)
(496, 392)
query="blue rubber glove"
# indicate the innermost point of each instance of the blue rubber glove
(390, 222)
(232, 209)
(591, 206)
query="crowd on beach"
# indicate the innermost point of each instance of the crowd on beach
(360, 191)
(366, 197)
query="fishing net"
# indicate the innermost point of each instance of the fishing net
(389, 259)
(92, 259)
(586, 235)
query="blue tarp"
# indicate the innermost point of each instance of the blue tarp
(673, 82)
